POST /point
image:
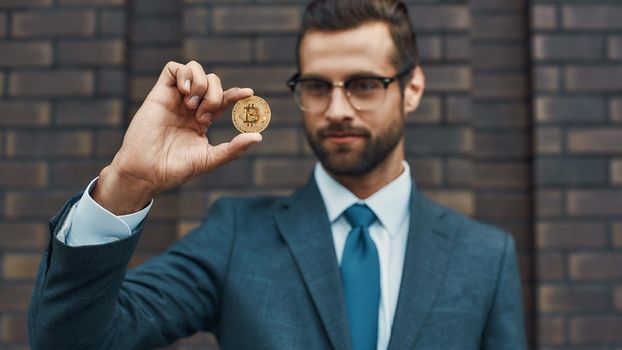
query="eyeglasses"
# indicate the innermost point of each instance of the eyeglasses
(365, 93)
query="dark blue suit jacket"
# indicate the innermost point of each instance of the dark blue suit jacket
(262, 273)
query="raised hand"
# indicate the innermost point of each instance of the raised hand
(166, 143)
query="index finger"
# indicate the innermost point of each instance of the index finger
(229, 98)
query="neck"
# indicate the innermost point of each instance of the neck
(364, 186)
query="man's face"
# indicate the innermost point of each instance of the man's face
(347, 141)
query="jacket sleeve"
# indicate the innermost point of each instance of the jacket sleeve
(505, 325)
(84, 297)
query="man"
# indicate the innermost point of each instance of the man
(356, 259)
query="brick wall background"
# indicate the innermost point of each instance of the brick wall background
(520, 127)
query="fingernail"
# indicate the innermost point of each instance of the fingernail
(194, 100)
(187, 84)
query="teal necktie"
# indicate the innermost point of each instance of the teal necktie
(360, 271)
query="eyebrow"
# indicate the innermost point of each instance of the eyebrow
(361, 74)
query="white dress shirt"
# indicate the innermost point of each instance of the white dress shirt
(88, 223)
(389, 233)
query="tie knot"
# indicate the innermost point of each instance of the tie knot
(359, 215)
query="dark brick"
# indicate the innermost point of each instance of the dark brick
(498, 26)
(573, 299)
(460, 200)
(548, 203)
(52, 83)
(196, 20)
(112, 22)
(571, 171)
(54, 24)
(500, 85)
(457, 47)
(256, 19)
(153, 59)
(101, 52)
(23, 235)
(459, 109)
(595, 330)
(2, 25)
(593, 78)
(155, 30)
(502, 175)
(74, 174)
(459, 172)
(111, 82)
(594, 202)
(497, 56)
(546, 78)
(438, 140)
(25, 54)
(595, 140)
(33, 205)
(615, 47)
(48, 143)
(14, 297)
(551, 330)
(276, 49)
(1, 84)
(543, 17)
(27, 4)
(234, 174)
(616, 171)
(561, 235)
(140, 87)
(550, 267)
(93, 2)
(158, 236)
(23, 174)
(569, 109)
(617, 234)
(426, 171)
(282, 172)
(428, 112)
(496, 144)
(482, 5)
(615, 109)
(430, 47)
(14, 328)
(89, 113)
(592, 16)
(210, 50)
(548, 140)
(263, 80)
(567, 47)
(447, 78)
(500, 115)
(440, 17)
(108, 142)
(618, 298)
(155, 7)
(20, 266)
(503, 206)
(24, 113)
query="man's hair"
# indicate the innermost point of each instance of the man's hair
(336, 15)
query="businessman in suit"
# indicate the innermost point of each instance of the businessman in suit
(355, 259)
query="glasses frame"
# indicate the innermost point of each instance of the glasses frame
(386, 81)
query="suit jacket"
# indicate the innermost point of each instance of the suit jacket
(262, 273)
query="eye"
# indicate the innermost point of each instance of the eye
(364, 85)
(314, 87)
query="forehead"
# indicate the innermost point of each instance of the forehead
(337, 54)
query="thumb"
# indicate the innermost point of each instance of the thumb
(228, 151)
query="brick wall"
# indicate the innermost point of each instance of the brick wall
(519, 127)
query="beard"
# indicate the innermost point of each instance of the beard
(344, 160)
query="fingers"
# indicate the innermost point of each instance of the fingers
(228, 151)
(197, 84)
(212, 100)
(209, 110)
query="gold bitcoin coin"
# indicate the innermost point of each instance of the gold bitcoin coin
(251, 114)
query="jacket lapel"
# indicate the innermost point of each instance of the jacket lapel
(425, 264)
(303, 223)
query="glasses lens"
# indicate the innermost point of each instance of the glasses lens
(313, 95)
(366, 93)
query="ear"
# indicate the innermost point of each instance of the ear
(413, 90)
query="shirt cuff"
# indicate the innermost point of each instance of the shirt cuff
(88, 223)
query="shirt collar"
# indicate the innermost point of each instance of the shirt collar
(390, 203)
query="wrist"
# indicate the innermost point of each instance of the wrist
(120, 193)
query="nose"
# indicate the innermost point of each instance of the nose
(339, 107)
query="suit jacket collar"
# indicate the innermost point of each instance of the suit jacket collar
(304, 225)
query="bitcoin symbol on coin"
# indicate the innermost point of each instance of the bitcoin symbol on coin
(251, 114)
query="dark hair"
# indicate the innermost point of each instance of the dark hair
(335, 15)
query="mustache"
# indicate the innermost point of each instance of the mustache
(341, 129)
